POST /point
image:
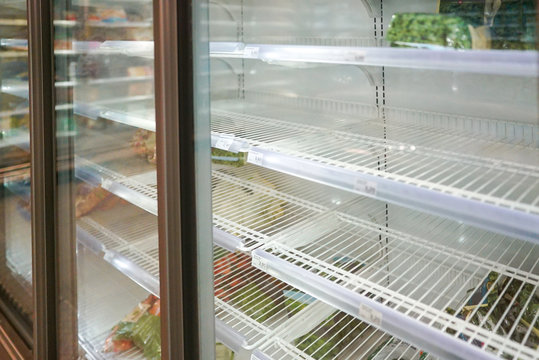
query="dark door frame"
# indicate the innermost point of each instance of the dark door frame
(183, 176)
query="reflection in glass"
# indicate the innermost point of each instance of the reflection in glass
(15, 234)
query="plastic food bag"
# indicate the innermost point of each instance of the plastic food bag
(429, 31)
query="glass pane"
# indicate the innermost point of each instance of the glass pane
(15, 226)
(375, 164)
(106, 128)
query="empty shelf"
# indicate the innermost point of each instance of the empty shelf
(249, 203)
(439, 171)
(435, 176)
(411, 285)
(251, 307)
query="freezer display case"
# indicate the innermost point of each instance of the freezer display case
(391, 148)
(374, 177)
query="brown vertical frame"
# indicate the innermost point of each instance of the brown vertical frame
(184, 175)
(53, 223)
(43, 167)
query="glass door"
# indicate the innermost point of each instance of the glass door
(375, 184)
(105, 133)
(15, 213)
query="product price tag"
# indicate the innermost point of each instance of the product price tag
(254, 157)
(106, 183)
(355, 57)
(364, 186)
(370, 315)
(251, 52)
(224, 142)
(260, 263)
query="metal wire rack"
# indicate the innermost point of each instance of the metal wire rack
(440, 281)
(261, 308)
(338, 336)
(426, 158)
(248, 202)
(427, 169)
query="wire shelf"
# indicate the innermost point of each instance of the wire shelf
(339, 336)
(483, 129)
(443, 173)
(239, 287)
(435, 282)
(249, 203)
(249, 301)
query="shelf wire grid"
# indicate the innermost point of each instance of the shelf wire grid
(250, 203)
(254, 203)
(483, 129)
(424, 157)
(425, 279)
(508, 185)
(341, 337)
(485, 250)
(247, 299)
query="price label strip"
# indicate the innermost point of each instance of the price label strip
(260, 263)
(370, 315)
(367, 187)
(251, 52)
(224, 142)
(254, 157)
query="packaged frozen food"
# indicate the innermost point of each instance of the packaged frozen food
(428, 31)
(144, 144)
(224, 157)
(140, 328)
(511, 23)
(328, 339)
(92, 198)
(258, 210)
(499, 302)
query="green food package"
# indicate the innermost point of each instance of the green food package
(428, 30)
(146, 334)
(295, 301)
(223, 353)
(224, 157)
(328, 339)
(511, 23)
(254, 302)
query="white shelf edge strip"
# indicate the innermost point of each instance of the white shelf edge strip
(92, 176)
(490, 217)
(120, 262)
(502, 62)
(391, 321)
(226, 241)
